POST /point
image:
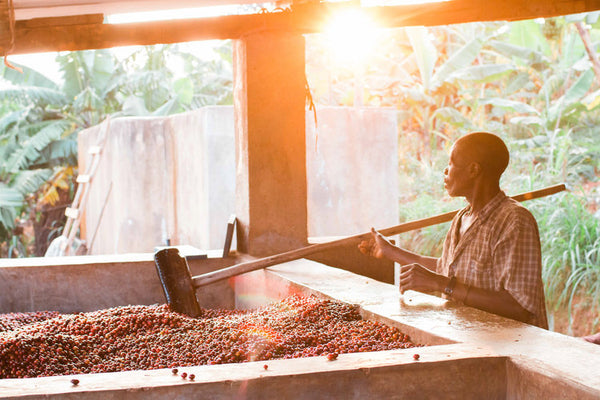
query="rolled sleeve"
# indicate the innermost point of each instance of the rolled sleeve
(517, 259)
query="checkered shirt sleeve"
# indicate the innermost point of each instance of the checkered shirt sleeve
(499, 251)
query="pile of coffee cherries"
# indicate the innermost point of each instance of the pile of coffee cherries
(151, 337)
(12, 321)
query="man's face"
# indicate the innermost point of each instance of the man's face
(457, 180)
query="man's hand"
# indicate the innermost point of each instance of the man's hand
(417, 277)
(593, 338)
(377, 246)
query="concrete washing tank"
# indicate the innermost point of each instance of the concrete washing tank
(470, 354)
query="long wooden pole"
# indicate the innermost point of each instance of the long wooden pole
(205, 279)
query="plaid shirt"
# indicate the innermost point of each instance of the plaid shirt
(500, 250)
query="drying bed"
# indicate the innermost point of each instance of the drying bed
(470, 354)
(152, 337)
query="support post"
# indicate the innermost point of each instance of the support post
(269, 108)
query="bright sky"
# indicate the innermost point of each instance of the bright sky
(45, 62)
(200, 12)
(41, 62)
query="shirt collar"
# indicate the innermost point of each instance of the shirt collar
(490, 206)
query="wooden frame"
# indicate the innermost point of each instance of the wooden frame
(90, 32)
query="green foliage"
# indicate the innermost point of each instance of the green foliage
(149, 87)
(28, 128)
(10, 200)
(40, 118)
(570, 237)
(530, 82)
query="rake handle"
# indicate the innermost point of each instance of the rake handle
(248, 266)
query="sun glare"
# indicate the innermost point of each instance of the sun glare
(350, 36)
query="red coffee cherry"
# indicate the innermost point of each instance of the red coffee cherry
(152, 337)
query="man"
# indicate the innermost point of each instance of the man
(491, 258)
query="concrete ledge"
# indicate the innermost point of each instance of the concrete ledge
(88, 283)
(527, 379)
(447, 372)
(429, 319)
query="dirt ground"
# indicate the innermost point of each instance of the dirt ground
(585, 319)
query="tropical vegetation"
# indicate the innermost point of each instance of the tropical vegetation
(531, 82)
(40, 119)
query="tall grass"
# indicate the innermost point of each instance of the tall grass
(570, 236)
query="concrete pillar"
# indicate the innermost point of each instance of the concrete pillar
(269, 103)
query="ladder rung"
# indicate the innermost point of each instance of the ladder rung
(72, 213)
(83, 178)
(94, 150)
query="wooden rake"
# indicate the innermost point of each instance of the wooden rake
(180, 286)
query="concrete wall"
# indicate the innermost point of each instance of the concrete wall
(166, 178)
(174, 178)
(352, 170)
(204, 175)
(352, 174)
(88, 283)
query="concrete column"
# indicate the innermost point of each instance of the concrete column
(269, 102)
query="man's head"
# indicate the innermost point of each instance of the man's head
(477, 156)
(486, 149)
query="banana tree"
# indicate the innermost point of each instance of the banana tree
(40, 119)
(150, 86)
(34, 140)
(554, 94)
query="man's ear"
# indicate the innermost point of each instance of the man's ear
(475, 169)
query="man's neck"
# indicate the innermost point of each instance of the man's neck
(481, 195)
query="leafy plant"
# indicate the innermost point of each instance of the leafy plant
(40, 120)
(32, 138)
(530, 82)
(570, 237)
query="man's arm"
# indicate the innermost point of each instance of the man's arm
(501, 302)
(379, 247)
(415, 277)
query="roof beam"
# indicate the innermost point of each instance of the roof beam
(58, 34)
(29, 9)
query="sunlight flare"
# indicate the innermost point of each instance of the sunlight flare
(350, 36)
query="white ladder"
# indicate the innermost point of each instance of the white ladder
(74, 212)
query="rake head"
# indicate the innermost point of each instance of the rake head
(176, 281)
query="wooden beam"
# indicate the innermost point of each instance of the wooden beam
(84, 19)
(462, 11)
(37, 36)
